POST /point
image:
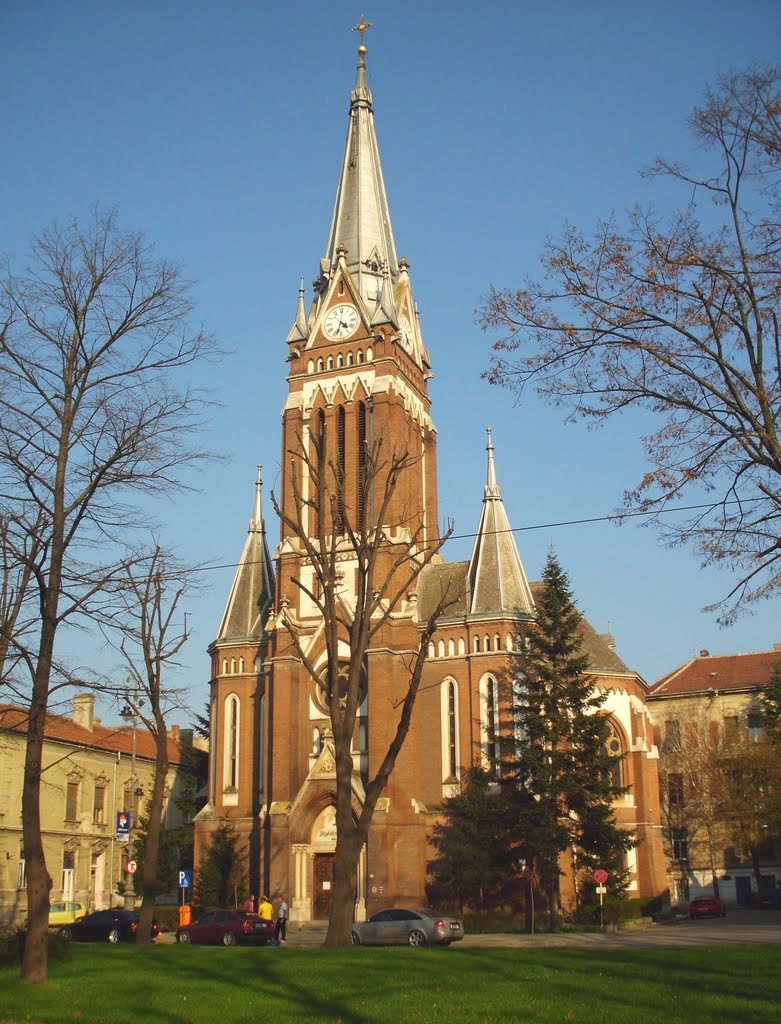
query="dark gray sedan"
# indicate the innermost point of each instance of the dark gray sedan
(400, 927)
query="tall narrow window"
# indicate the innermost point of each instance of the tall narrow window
(450, 737)
(361, 439)
(451, 729)
(99, 805)
(231, 770)
(340, 457)
(320, 426)
(21, 874)
(489, 721)
(72, 801)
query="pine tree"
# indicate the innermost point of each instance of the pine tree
(561, 770)
(221, 871)
(473, 844)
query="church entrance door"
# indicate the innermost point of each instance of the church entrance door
(323, 885)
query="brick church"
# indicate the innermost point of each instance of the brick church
(359, 368)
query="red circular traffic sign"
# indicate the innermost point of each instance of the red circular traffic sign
(131, 867)
(600, 876)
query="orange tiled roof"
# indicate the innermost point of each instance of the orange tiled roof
(720, 672)
(65, 730)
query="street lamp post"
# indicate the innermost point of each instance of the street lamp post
(130, 714)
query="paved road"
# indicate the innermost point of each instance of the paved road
(739, 927)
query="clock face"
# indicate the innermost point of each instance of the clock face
(406, 333)
(341, 322)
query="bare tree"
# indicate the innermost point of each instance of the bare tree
(389, 560)
(152, 635)
(690, 798)
(680, 318)
(94, 413)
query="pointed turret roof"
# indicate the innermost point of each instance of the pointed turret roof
(361, 219)
(497, 581)
(253, 585)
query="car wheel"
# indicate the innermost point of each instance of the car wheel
(65, 933)
(184, 938)
(229, 939)
(416, 938)
(355, 938)
(113, 935)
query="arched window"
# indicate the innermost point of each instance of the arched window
(233, 666)
(320, 434)
(477, 645)
(369, 354)
(489, 721)
(341, 458)
(450, 738)
(487, 643)
(320, 365)
(231, 766)
(615, 749)
(241, 665)
(461, 646)
(441, 649)
(361, 446)
(339, 361)
(359, 356)
(451, 648)
(225, 666)
(330, 363)
(349, 359)
(310, 366)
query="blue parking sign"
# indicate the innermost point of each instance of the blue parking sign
(185, 879)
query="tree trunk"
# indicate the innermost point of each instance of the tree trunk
(348, 849)
(151, 853)
(39, 883)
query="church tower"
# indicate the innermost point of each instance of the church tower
(358, 373)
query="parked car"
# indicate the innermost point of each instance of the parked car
(65, 913)
(227, 927)
(107, 926)
(707, 906)
(412, 927)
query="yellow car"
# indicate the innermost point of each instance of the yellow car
(65, 913)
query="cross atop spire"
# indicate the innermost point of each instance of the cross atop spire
(362, 28)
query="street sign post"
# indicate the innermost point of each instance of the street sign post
(600, 877)
(185, 879)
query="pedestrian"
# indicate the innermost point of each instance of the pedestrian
(280, 931)
(249, 904)
(265, 909)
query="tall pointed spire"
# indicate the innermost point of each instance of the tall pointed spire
(361, 218)
(253, 585)
(497, 581)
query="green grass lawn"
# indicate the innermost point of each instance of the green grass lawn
(101, 984)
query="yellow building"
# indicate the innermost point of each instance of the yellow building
(87, 781)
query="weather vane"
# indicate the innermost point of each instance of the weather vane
(362, 27)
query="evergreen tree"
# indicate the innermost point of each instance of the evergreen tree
(221, 871)
(561, 770)
(473, 844)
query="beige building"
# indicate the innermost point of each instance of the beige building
(87, 781)
(704, 711)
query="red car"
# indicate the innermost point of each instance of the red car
(707, 906)
(227, 927)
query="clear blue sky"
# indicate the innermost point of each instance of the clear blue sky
(217, 129)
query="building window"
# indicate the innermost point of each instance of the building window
(730, 728)
(489, 721)
(675, 793)
(72, 801)
(340, 457)
(99, 806)
(754, 726)
(680, 844)
(449, 719)
(231, 772)
(21, 872)
(672, 734)
(361, 439)
(320, 461)
(615, 749)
